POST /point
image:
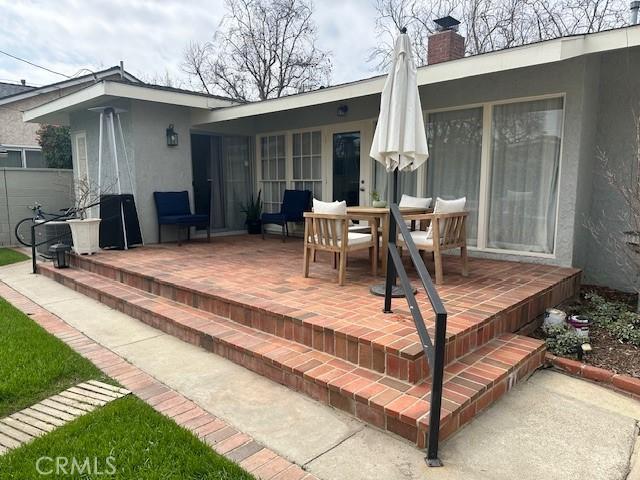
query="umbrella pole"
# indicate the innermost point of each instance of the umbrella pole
(390, 281)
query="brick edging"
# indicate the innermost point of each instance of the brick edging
(625, 383)
(236, 446)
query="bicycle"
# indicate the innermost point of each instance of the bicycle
(23, 227)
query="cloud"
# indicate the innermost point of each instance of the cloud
(150, 36)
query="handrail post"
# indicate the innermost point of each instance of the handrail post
(33, 249)
(436, 391)
(391, 269)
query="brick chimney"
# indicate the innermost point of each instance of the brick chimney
(446, 43)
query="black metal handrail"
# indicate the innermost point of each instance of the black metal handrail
(434, 351)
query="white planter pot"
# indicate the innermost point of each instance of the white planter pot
(86, 235)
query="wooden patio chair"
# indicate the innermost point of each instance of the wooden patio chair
(330, 233)
(450, 228)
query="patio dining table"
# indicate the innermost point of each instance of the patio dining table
(382, 217)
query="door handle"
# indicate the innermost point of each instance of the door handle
(362, 189)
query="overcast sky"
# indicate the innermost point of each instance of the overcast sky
(150, 36)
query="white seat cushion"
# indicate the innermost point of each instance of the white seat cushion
(416, 202)
(354, 239)
(357, 239)
(420, 238)
(447, 206)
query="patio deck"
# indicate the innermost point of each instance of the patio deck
(246, 299)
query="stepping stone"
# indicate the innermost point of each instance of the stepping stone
(23, 427)
(106, 386)
(53, 412)
(34, 422)
(82, 398)
(56, 422)
(15, 434)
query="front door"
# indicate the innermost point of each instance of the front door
(346, 167)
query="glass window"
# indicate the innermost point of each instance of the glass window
(307, 163)
(272, 160)
(525, 158)
(453, 167)
(407, 181)
(35, 159)
(11, 159)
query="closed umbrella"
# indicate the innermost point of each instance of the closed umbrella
(400, 139)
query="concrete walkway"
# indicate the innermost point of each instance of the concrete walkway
(550, 427)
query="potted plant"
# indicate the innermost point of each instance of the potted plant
(376, 202)
(85, 229)
(253, 211)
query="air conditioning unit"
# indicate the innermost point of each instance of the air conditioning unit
(51, 233)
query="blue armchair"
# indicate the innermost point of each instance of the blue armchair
(294, 204)
(173, 208)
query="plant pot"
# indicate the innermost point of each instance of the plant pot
(254, 227)
(379, 203)
(86, 235)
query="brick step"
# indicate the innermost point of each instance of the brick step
(471, 383)
(391, 347)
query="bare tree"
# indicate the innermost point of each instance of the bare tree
(262, 49)
(622, 175)
(492, 24)
(163, 79)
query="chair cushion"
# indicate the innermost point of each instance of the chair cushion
(278, 218)
(183, 220)
(421, 240)
(357, 239)
(294, 204)
(447, 206)
(416, 202)
(331, 208)
(172, 203)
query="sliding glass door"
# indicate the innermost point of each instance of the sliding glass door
(505, 158)
(525, 160)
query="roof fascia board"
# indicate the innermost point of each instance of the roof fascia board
(84, 95)
(140, 92)
(65, 84)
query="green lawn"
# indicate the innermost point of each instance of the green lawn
(8, 256)
(34, 364)
(126, 440)
(126, 434)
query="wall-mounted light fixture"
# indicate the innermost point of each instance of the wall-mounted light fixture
(172, 137)
(342, 110)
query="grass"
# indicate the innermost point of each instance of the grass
(142, 444)
(34, 364)
(9, 256)
(126, 434)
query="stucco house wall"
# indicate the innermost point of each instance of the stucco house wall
(155, 166)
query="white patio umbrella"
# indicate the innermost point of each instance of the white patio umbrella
(400, 140)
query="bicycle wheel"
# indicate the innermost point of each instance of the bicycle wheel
(23, 231)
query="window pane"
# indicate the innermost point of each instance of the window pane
(13, 158)
(264, 142)
(273, 172)
(525, 158)
(453, 168)
(316, 168)
(306, 167)
(280, 140)
(297, 167)
(306, 143)
(272, 147)
(316, 149)
(296, 144)
(35, 159)
(282, 173)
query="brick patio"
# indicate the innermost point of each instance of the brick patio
(246, 299)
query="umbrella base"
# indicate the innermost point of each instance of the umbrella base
(396, 291)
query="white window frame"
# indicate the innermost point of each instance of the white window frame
(23, 152)
(287, 162)
(485, 170)
(320, 180)
(76, 137)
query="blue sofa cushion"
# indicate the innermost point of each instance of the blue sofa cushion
(172, 203)
(183, 220)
